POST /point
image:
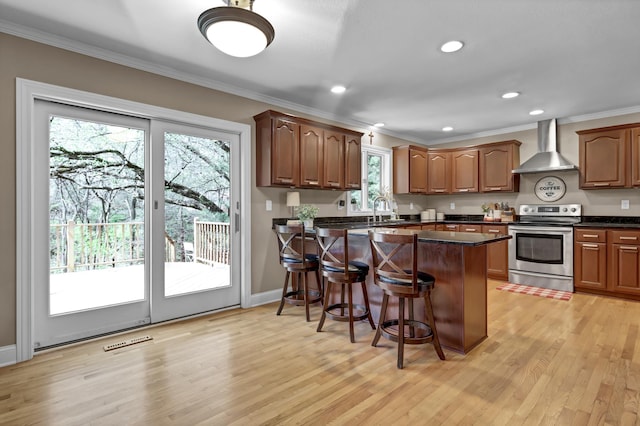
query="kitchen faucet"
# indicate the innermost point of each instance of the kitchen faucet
(375, 202)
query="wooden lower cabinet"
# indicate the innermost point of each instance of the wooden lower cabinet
(607, 261)
(590, 259)
(624, 262)
(497, 253)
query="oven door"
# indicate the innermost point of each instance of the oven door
(541, 249)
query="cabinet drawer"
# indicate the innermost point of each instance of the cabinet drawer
(446, 227)
(590, 235)
(495, 229)
(624, 237)
(469, 228)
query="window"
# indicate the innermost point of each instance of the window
(376, 180)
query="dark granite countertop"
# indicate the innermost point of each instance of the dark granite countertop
(440, 237)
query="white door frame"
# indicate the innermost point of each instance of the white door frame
(26, 93)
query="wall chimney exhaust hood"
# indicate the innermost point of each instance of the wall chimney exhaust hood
(547, 159)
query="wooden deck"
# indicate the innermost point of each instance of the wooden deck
(83, 290)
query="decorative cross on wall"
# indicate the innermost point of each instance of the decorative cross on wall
(371, 137)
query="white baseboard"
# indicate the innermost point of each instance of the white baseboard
(8, 355)
(265, 297)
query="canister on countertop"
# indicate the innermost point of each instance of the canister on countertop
(424, 215)
(432, 214)
(440, 216)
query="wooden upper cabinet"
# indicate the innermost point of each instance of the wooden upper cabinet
(497, 160)
(353, 162)
(296, 152)
(311, 156)
(438, 172)
(284, 161)
(635, 156)
(464, 171)
(604, 155)
(409, 169)
(333, 160)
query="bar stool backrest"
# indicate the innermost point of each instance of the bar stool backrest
(395, 261)
(291, 243)
(333, 249)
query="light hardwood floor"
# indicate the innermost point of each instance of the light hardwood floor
(545, 362)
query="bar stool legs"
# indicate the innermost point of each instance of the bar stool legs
(329, 310)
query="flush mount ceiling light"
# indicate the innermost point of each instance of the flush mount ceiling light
(451, 46)
(536, 112)
(379, 125)
(447, 129)
(338, 89)
(236, 29)
(510, 95)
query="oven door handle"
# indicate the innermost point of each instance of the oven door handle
(538, 229)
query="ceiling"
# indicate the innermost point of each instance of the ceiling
(570, 58)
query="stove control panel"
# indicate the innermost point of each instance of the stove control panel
(574, 210)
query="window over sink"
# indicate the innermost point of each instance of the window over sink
(376, 180)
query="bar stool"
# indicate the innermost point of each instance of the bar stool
(335, 266)
(294, 259)
(395, 262)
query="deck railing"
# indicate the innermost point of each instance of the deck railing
(83, 246)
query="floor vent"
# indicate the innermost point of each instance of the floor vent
(126, 343)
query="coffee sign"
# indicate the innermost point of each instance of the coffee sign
(550, 188)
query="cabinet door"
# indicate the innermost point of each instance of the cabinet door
(311, 154)
(624, 269)
(285, 164)
(635, 157)
(590, 265)
(464, 171)
(429, 227)
(497, 254)
(353, 162)
(438, 172)
(603, 159)
(333, 160)
(496, 164)
(417, 171)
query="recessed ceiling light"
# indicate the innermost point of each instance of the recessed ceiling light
(379, 125)
(510, 95)
(451, 46)
(447, 129)
(338, 89)
(536, 112)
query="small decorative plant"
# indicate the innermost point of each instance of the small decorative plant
(307, 212)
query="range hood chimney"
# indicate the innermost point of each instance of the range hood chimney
(547, 159)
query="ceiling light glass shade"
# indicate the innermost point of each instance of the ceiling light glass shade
(510, 95)
(235, 31)
(451, 46)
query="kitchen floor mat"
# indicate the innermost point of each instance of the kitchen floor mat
(536, 291)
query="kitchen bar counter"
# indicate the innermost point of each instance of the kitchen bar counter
(458, 262)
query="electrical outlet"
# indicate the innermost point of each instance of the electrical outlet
(624, 205)
(452, 206)
(269, 205)
(410, 206)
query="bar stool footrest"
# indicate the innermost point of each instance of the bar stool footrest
(297, 297)
(425, 336)
(360, 312)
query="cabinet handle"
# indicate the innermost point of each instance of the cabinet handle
(313, 182)
(470, 230)
(463, 190)
(602, 184)
(630, 248)
(629, 238)
(438, 190)
(494, 231)
(286, 180)
(589, 236)
(494, 189)
(590, 245)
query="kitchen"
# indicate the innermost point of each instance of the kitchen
(56, 65)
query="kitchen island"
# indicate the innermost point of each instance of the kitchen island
(458, 261)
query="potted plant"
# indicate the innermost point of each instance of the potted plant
(306, 213)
